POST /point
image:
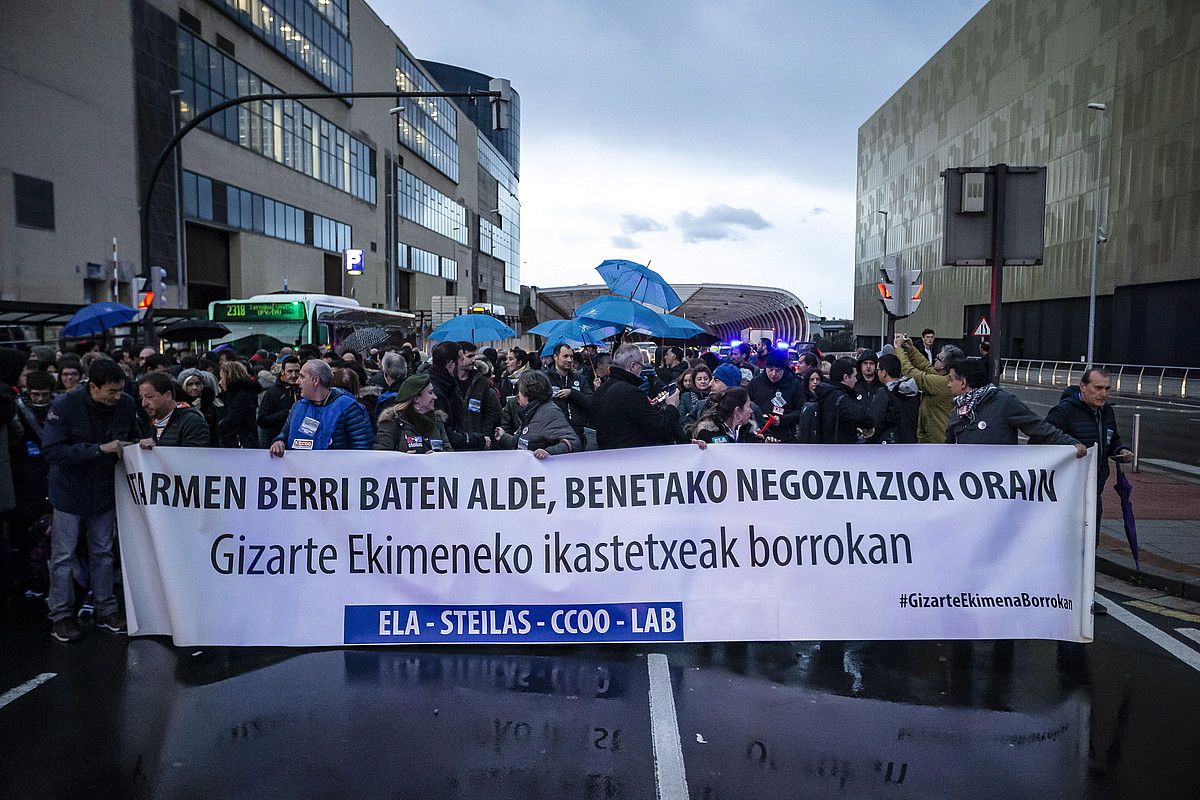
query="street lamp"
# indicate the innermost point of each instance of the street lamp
(1091, 337)
(883, 312)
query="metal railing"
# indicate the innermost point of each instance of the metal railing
(1132, 380)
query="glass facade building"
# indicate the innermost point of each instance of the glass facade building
(284, 131)
(312, 34)
(209, 200)
(426, 125)
(507, 142)
(1013, 86)
(417, 201)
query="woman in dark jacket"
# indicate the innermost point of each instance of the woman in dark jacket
(239, 428)
(411, 425)
(729, 420)
(200, 390)
(543, 428)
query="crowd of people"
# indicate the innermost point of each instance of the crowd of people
(68, 416)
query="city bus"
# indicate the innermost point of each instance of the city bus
(271, 321)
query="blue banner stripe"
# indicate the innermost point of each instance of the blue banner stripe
(583, 622)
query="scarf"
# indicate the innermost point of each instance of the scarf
(965, 403)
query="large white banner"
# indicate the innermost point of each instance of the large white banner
(733, 543)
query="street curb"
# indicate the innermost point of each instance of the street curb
(1121, 566)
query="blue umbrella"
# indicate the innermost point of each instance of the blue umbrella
(98, 317)
(472, 328)
(575, 332)
(679, 327)
(622, 313)
(638, 282)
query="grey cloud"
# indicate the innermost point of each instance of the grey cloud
(817, 211)
(633, 223)
(719, 223)
(625, 243)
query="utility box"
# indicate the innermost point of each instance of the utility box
(967, 232)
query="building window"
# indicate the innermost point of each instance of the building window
(449, 269)
(427, 125)
(312, 34)
(419, 202)
(284, 131)
(424, 261)
(34, 199)
(247, 211)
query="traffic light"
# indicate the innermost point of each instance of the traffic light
(502, 105)
(151, 290)
(139, 292)
(900, 289)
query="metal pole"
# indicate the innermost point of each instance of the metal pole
(1091, 336)
(180, 276)
(116, 279)
(1137, 441)
(883, 317)
(999, 345)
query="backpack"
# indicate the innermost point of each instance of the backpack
(808, 430)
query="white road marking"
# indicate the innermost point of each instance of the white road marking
(1191, 633)
(669, 775)
(1164, 640)
(25, 688)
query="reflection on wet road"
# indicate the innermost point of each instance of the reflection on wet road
(143, 719)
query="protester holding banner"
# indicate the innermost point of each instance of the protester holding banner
(543, 428)
(1085, 413)
(622, 415)
(85, 431)
(729, 419)
(325, 417)
(172, 424)
(986, 414)
(411, 425)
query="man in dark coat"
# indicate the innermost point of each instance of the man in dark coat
(871, 394)
(778, 393)
(85, 431)
(900, 427)
(277, 400)
(172, 424)
(840, 415)
(983, 413)
(622, 415)
(1085, 414)
(572, 390)
(462, 403)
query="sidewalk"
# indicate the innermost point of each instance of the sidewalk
(1167, 507)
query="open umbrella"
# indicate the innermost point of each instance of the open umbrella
(679, 327)
(1124, 489)
(193, 330)
(622, 313)
(637, 282)
(575, 332)
(363, 339)
(98, 317)
(472, 328)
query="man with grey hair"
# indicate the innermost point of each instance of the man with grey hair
(934, 382)
(393, 369)
(622, 415)
(325, 417)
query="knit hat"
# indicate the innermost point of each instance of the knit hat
(868, 355)
(728, 374)
(413, 385)
(776, 360)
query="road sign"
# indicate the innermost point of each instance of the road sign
(983, 328)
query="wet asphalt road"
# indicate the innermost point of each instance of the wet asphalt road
(1170, 430)
(139, 718)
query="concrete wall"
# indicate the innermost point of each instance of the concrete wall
(1012, 86)
(66, 116)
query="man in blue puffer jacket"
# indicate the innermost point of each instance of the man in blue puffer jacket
(325, 417)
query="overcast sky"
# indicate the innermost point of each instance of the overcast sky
(715, 140)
